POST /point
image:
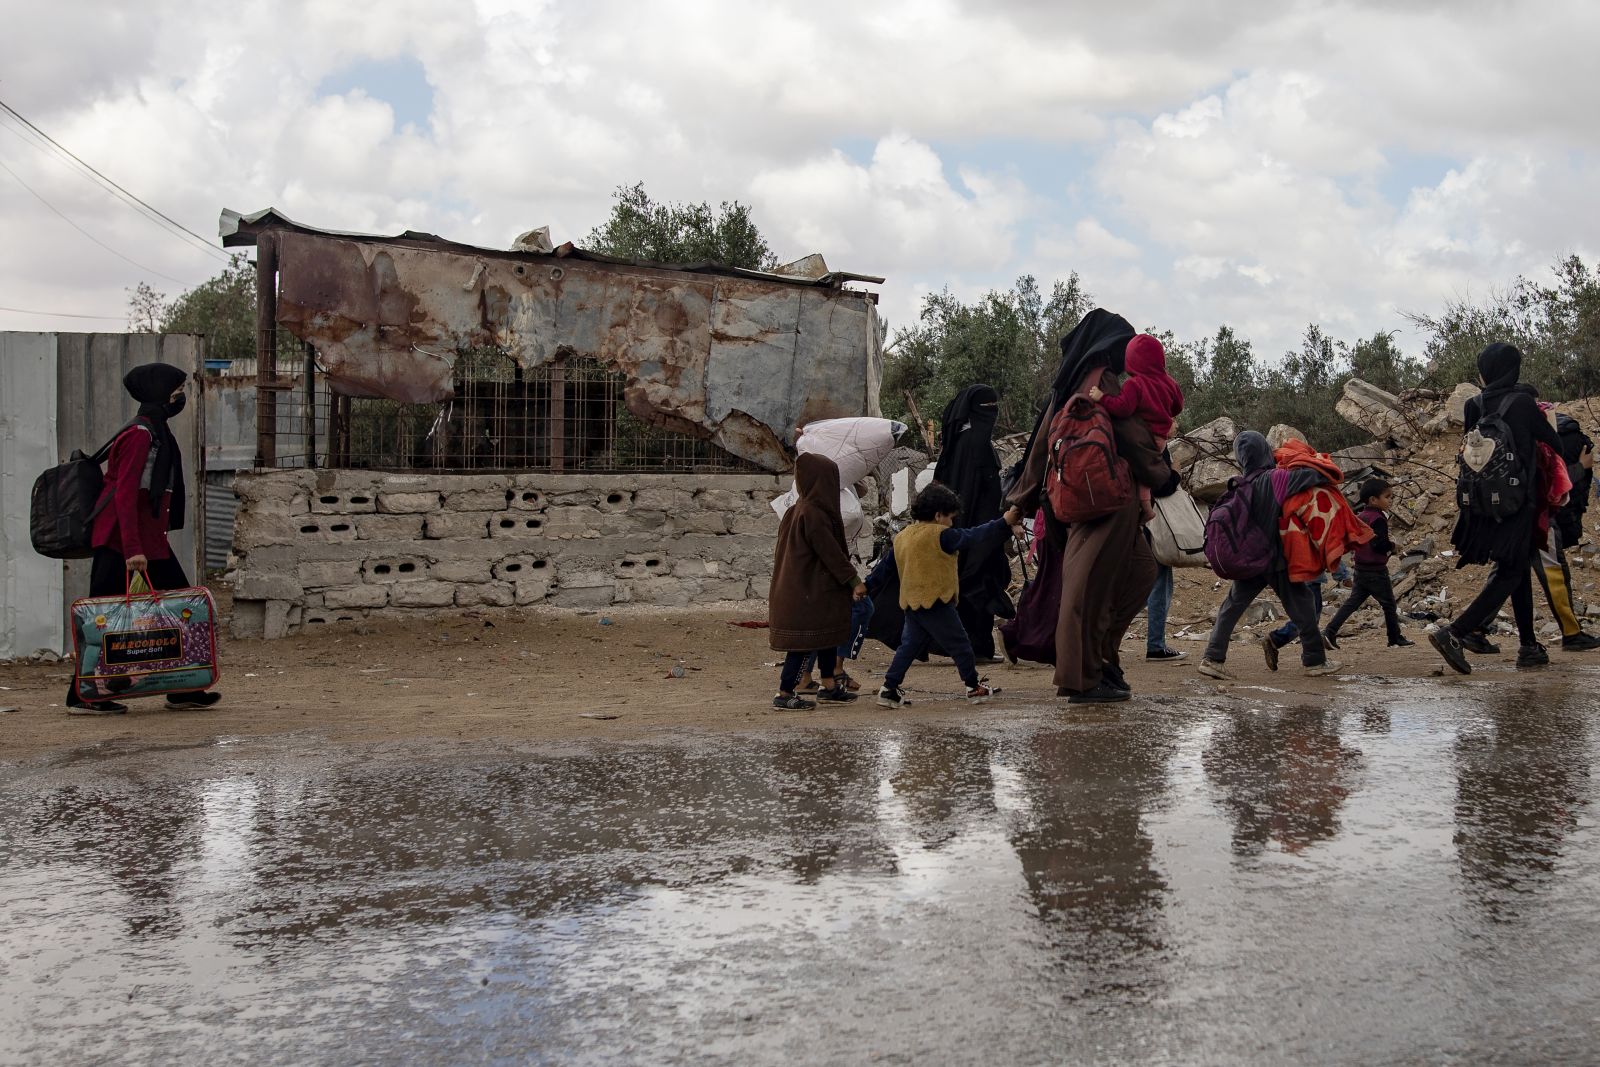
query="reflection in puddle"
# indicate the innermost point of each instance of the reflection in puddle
(1143, 884)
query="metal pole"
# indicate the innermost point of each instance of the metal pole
(311, 405)
(267, 350)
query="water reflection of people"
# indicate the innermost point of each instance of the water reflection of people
(1284, 776)
(1520, 786)
(138, 842)
(945, 782)
(827, 803)
(1086, 855)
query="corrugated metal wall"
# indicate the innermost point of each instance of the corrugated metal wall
(30, 585)
(221, 506)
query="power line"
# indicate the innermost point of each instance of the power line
(64, 314)
(85, 232)
(176, 225)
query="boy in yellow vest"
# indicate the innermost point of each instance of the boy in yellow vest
(930, 586)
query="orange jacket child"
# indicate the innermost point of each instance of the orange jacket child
(1318, 526)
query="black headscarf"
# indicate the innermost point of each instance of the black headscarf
(967, 464)
(1499, 365)
(152, 385)
(1099, 340)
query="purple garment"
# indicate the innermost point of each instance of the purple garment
(1032, 634)
(1374, 555)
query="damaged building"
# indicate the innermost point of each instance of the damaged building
(480, 427)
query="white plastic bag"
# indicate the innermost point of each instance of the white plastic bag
(1178, 532)
(856, 445)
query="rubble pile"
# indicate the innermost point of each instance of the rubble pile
(1416, 436)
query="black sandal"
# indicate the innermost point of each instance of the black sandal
(792, 703)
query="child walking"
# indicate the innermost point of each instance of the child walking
(813, 581)
(925, 555)
(1372, 567)
(1149, 394)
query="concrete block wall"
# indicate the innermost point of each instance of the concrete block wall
(322, 546)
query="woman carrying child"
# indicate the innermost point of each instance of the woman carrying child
(813, 582)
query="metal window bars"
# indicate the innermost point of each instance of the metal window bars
(569, 415)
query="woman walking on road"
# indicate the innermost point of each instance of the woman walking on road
(1509, 543)
(969, 468)
(143, 499)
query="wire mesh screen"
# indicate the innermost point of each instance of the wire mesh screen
(569, 415)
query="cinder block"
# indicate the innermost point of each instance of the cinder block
(333, 502)
(723, 500)
(491, 594)
(423, 594)
(662, 498)
(524, 498)
(641, 567)
(736, 589)
(268, 586)
(591, 597)
(408, 503)
(444, 525)
(390, 569)
(523, 568)
(460, 570)
(517, 524)
(534, 589)
(326, 528)
(329, 573)
(755, 524)
(389, 527)
(357, 596)
(492, 498)
(700, 522)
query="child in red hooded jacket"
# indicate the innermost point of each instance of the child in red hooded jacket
(1149, 394)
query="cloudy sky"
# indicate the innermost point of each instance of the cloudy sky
(1197, 162)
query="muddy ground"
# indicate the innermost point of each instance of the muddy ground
(544, 676)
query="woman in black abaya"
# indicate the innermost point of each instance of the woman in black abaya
(968, 466)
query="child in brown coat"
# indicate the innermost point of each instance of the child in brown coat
(813, 582)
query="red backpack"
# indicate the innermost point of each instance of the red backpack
(1087, 480)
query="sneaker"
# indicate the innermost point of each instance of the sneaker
(1532, 655)
(1580, 642)
(836, 695)
(1100, 694)
(1114, 677)
(99, 707)
(1402, 642)
(1164, 655)
(1213, 669)
(1478, 644)
(205, 699)
(1269, 649)
(1330, 639)
(1323, 669)
(1452, 648)
(980, 693)
(791, 702)
(889, 697)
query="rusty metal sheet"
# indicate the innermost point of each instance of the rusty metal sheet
(737, 360)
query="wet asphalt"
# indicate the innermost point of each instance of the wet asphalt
(1403, 874)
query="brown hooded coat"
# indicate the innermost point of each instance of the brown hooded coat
(812, 576)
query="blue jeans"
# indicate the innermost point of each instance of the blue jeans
(923, 627)
(1285, 634)
(1156, 609)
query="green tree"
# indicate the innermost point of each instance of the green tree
(1379, 361)
(1008, 339)
(145, 308)
(223, 309)
(642, 229)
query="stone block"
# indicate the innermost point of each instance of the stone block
(695, 568)
(278, 617)
(423, 594)
(444, 525)
(358, 596)
(282, 486)
(334, 502)
(490, 594)
(268, 586)
(329, 573)
(586, 579)
(522, 568)
(256, 527)
(572, 519)
(1376, 411)
(669, 592)
(390, 569)
(1282, 433)
(614, 500)
(248, 622)
(408, 503)
(1455, 405)
(532, 590)
(389, 527)
(518, 524)
(460, 570)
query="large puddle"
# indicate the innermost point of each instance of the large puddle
(1412, 878)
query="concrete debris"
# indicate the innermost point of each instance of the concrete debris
(1283, 433)
(1204, 457)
